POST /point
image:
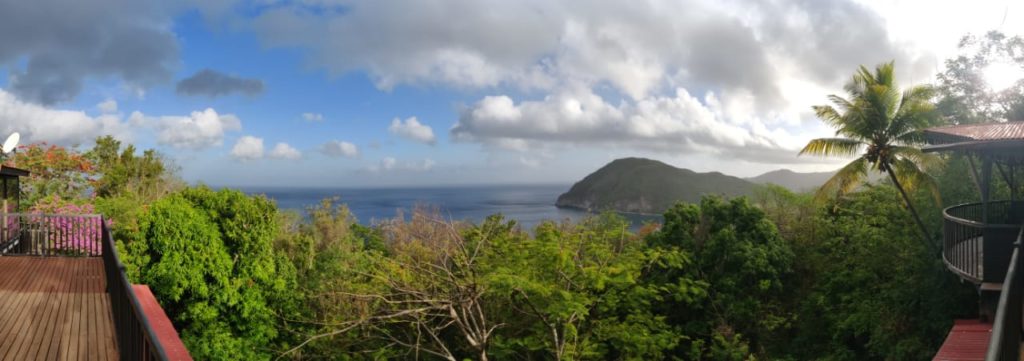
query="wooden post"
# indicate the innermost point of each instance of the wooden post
(986, 186)
(3, 226)
(974, 172)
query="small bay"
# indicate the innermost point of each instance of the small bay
(528, 204)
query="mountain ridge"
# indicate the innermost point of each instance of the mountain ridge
(647, 186)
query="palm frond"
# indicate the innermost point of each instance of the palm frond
(924, 161)
(912, 176)
(845, 180)
(827, 147)
(916, 111)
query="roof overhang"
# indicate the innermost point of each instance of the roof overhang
(1003, 138)
(978, 145)
(12, 172)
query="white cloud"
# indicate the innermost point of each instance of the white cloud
(313, 117)
(733, 78)
(388, 164)
(284, 151)
(412, 129)
(201, 129)
(108, 106)
(337, 148)
(38, 123)
(672, 124)
(248, 148)
(639, 48)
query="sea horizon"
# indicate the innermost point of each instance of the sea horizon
(528, 204)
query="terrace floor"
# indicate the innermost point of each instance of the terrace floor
(54, 308)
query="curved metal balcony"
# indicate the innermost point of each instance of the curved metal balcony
(976, 250)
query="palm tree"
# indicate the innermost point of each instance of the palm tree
(882, 125)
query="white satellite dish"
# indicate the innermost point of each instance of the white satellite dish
(11, 142)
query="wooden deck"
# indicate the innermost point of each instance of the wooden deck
(967, 341)
(54, 308)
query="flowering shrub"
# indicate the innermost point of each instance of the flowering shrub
(61, 226)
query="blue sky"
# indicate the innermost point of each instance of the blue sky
(455, 92)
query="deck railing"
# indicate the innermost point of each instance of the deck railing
(1006, 330)
(975, 249)
(50, 234)
(135, 337)
(32, 234)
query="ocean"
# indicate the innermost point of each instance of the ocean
(528, 204)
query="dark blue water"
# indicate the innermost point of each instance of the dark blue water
(527, 204)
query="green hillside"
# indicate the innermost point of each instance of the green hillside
(797, 182)
(647, 186)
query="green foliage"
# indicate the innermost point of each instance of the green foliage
(965, 98)
(577, 293)
(740, 256)
(877, 292)
(121, 171)
(209, 258)
(54, 171)
(777, 277)
(886, 124)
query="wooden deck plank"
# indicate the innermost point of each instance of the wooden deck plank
(44, 333)
(55, 308)
(22, 311)
(92, 341)
(47, 349)
(30, 323)
(42, 313)
(67, 325)
(967, 341)
(46, 312)
(71, 352)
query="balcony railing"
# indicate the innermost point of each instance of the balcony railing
(27, 234)
(50, 234)
(1006, 330)
(135, 337)
(977, 250)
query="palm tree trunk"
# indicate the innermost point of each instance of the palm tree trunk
(913, 211)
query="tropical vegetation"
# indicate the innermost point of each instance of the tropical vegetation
(770, 275)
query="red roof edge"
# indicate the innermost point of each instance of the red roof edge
(162, 326)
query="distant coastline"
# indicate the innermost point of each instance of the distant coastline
(527, 204)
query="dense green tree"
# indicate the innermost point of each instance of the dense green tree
(210, 259)
(876, 293)
(575, 291)
(738, 253)
(121, 171)
(54, 171)
(887, 125)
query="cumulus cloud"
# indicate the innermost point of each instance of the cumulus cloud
(38, 123)
(247, 148)
(388, 164)
(53, 46)
(637, 47)
(733, 77)
(213, 84)
(674, 124)
(313, 117)
(201, 129)
(337, 148)
(284, 151)
(413, 130)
